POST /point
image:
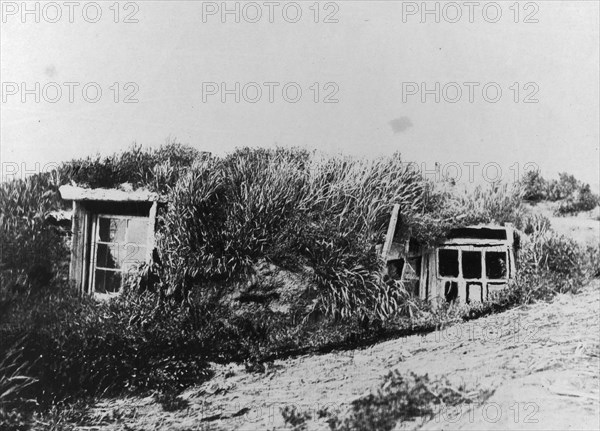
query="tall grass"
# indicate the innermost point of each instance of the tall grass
(292, 208)
(14, 374)
(138, 166)
(25, 239)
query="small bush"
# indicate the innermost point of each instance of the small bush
(295, 418)
(564, 188)
(573, 195)
(534, 225)
(582, 200)
(400, 398)
(549, 264)
(534, 187)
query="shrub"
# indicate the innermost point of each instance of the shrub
(399, 398)
(535, 187)
(534, 225)
(582, 200)
(79, 347)
(574, 196)
(549, 264)
(563, 188)
(295, 418)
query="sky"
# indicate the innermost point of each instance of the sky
(517, 84)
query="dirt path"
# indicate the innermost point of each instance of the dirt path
(541, 362)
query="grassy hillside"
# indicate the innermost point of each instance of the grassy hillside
(261, 253)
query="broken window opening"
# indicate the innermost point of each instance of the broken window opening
(412, 269)
(395, 268)
(448, 263)
(495, 265)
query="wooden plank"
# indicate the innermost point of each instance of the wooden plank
(85, 252)
(93, 238)
(78, 228)
(74, 240)
(151, 227)
(389, 237)
(424, 276)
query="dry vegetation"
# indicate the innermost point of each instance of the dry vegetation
(263, 254)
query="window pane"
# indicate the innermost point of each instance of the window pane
(474, 292)
(107, 281)
(448, 263)
(107, 256)
(495, 264)
(493, 289)
(112, 229)
(412, 269)
(394, 268)
(132, 255)
(471, 264)
(137, 231)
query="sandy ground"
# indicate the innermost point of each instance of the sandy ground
(541, 362)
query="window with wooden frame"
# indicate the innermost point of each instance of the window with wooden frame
(481, 263)
(119, 244)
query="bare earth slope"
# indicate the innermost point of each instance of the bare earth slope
(540, 362)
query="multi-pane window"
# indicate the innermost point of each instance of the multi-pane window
(490, 264)
(119, 244)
